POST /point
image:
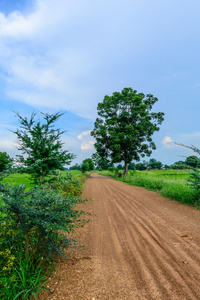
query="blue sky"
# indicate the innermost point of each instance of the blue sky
(67, 55)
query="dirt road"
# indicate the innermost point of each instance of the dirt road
(140, 246)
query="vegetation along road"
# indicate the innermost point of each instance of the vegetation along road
(140, 246)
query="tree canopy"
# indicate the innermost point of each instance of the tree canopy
(41, 144)
(192, 161)
(4, 160)
(124, 128)
(90, 163)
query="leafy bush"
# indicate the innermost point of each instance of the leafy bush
(34, 218)
(71, 187)
(37, 216)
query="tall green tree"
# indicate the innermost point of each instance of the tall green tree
(90, 162)
(41, 146)
(5, 159)
(124, 128)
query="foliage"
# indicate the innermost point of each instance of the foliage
(154, 164)
(5, 159)
(41, 143)
(37, 216)
(85, 167)
(141, 166)
(111, 169)
(71, 187)
(179, 165)
(75, 167)
(194, 180)
(131, 166)
(24, 279)
(33, 219)
(192, 161)
(100, 162)
(125, 126)
(90, 162)
(120, 167)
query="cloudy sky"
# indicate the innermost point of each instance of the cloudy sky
(67, 55)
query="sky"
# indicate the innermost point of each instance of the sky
(67, 55)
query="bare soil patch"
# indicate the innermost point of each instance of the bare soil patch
(139, 246)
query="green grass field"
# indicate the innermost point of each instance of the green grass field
(169, 183)
(16, 179)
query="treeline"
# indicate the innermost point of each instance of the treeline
(153, 164)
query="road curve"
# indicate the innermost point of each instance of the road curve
(139, 246)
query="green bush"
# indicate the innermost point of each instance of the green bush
(37, 216)
(39, 219)
(71, 187)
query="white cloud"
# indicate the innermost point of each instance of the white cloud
(83, 134)
(167, 142)
(87, 144)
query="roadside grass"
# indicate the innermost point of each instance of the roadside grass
(168, 183)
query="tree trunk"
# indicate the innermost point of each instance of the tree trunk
(126, 168)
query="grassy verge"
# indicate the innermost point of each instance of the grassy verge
(171, 184)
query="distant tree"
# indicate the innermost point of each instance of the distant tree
(120, 167)
(154, 164)
(167, 166)
(5, 159)
(41, 145)
(179, 165)
(141, 166)
(192, 161)
(100, 162)
(90, 162)
(125, 126)
(131, 166)
(84, 167)
(75, 167)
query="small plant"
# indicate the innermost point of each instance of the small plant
(24, 279)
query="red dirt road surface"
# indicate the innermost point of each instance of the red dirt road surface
(139, 246)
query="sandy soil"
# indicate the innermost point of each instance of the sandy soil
(139, 246)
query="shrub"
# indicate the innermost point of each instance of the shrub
(34, 218)
(37, 216)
